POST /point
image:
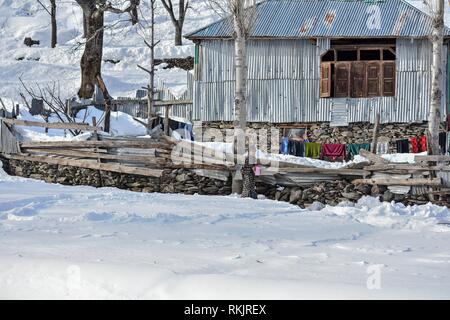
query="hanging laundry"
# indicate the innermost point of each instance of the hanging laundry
(296, 148)
(353, 149)
(423, 144)
(382, 147)
(284, 146)
(448, 143)
(443, 142)
(415, 144)
(402, 146)
(313, 150)
(333, 151)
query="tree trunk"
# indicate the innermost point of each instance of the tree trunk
(54, 40)
(178, 35)
(91, 61)
(436, 76)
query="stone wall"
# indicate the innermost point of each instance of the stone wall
(354, 133)
(187, 182)
(171, 181)
(335, 192)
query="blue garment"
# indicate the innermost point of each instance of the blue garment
(284, 146)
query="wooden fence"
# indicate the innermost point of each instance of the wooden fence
(150, 157)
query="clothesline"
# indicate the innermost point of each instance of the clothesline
(346, 152)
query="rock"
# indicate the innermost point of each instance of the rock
(295, 195)
(364, 189)
(388, 196)
(351, 195)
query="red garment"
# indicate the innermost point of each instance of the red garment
(415, 145)
(423, 144)
(333, 151)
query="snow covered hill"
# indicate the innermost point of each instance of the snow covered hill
(22, 18)
(81, 242)
(41, 64)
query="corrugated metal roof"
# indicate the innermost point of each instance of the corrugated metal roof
(330, 18)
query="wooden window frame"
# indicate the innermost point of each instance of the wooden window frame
(331, 90)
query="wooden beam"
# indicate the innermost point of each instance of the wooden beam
(90, 144)
(372, 157)
(89, 165)
(376, 131)
(54, 125)
(436, 158)
(97, 155)
(342, 172)
(406, 167)
(436, 182)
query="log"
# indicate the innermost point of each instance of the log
(58, 125)
(90, 144)
(89, 165)
(372, 157)
(436, 158)
(376, 130)
(406, 167)
(436, 182)
(342, 172)
(96, 155)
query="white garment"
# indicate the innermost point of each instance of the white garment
(382, 147)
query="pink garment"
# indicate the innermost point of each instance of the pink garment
(257, 170)
(333, 151)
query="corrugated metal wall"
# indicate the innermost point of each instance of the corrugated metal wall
(284, 83)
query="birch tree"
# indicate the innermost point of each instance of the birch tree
(178, 22)
(93, 16)
(243, 15)
(437, 39)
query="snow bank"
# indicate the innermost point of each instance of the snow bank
(372, 211)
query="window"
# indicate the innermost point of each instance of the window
(358, 72)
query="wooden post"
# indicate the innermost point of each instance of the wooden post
(17, 110)
(376, 131)
(166, 121)
(95, 137)
(108, 99)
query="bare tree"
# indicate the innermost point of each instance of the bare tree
(52, 13)
(243, 15)
(50, 94)
(178, 23)
(91, 61)
(151, 71)
(437, 39)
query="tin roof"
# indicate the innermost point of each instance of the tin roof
(330, 19)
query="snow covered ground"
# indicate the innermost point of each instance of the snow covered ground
(81, 242)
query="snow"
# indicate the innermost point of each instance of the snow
(87, 243)
(44, 65)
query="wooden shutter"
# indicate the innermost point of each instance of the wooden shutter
(388, 79)
(358, 80)
(325, 80)
(373, 79)
(342, 80)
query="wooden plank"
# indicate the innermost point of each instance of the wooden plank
(407, 167)
(342, 172)
(372, 157)
(436, 158)
(93, 143)
(54, 125)
(436, 182)
(89, 165)
(97, 155)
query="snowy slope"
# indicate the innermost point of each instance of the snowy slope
(22, 18)
(81, 242)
